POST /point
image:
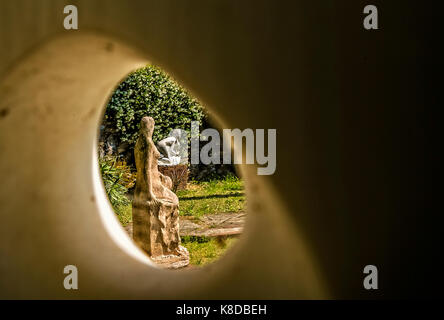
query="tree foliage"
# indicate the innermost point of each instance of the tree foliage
(151, 92)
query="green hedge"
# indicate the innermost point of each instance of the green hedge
(150, 92)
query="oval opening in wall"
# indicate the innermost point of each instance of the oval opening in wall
(161, 159)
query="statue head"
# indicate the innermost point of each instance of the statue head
(147, 126)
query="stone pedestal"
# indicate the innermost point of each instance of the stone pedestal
(155, 207)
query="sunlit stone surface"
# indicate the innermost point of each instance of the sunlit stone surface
(155, 206)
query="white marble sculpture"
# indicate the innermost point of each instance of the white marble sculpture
(170, 149)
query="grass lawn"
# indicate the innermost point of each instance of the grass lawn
(124, 213)
(199, 199)
(217, 196)
(205, 250)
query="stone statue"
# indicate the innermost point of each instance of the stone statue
(170, 149)
(155, 207)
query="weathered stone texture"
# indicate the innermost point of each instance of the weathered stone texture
(155, 207)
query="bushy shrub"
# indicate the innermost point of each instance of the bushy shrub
(150, 92)
(117, 178)
(178, 175)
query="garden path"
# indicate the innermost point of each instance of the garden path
(211, 225)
